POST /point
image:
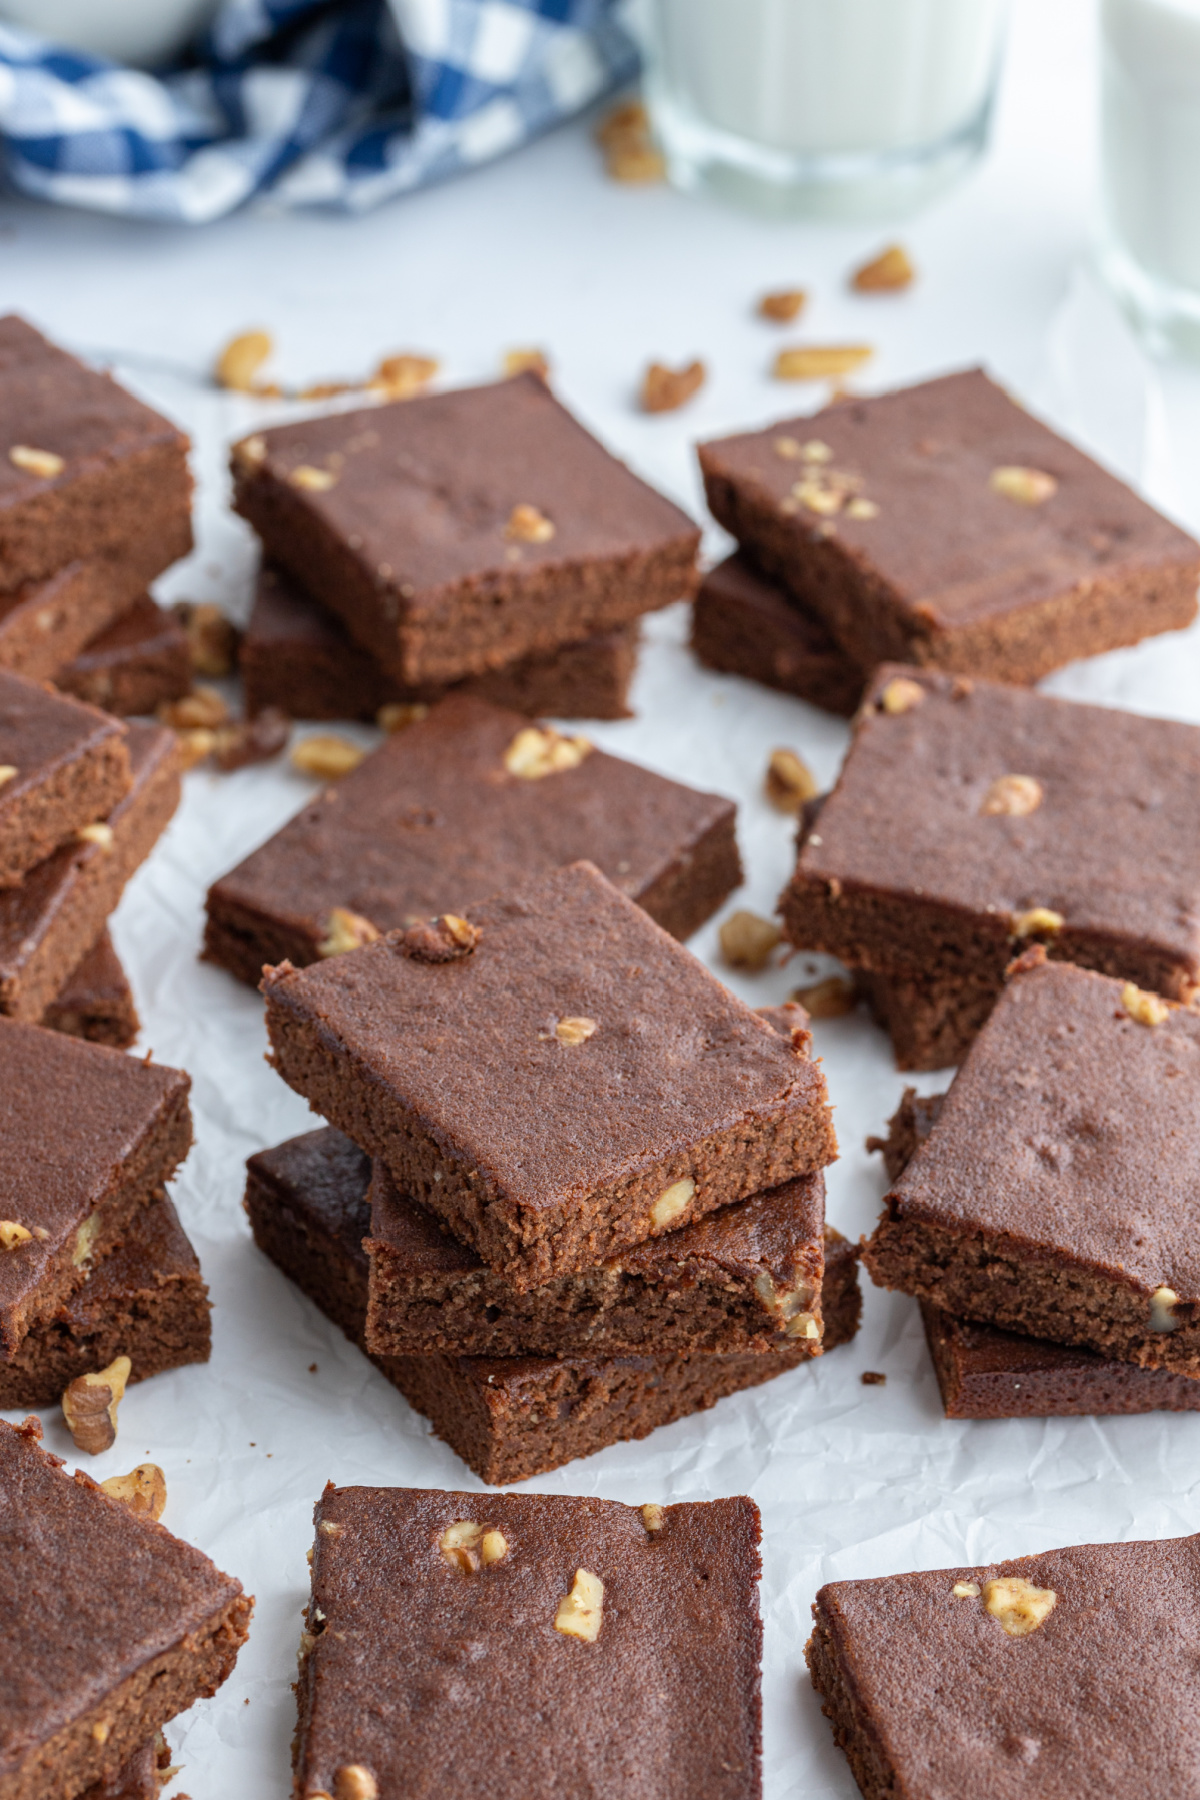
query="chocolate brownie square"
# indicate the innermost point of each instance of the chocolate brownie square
(146, 1300)
(63, 765)
(88, 1138)
(944, 525)
(1070, 1674)
(85, 469)
(298, 657)
(134, 665)
(745, 624)
(508, 1417)
(96, 1001)
(48, 923)
(554, 1077)
(469, 802)
(124, 1626)
(569, 1607)
(458, 532)
(970, 819)
(1057, 1194)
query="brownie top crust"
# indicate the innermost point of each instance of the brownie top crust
(72, 1115)
(471, 1047)
(424, 489)
(1072, 1129)
(422, 1669)
(951, 548)
(930, 1687)
(90, 1593)
(1107, 837)
(42, 735)
(50, 401)
(435, 819)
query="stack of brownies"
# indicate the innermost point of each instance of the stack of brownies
(575, 1186)
(95, 501)
(941, 526)
(477, 539)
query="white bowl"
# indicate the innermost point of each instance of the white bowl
(141, 32)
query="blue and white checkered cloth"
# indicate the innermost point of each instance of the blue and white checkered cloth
(339, 103)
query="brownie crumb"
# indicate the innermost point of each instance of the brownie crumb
(873, 1378)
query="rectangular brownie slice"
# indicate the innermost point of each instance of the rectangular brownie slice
(48, 923)
(944, 525)
(124, 1627)
(570, 1606)
(1057, 1194)
(145, 1300)
(89, 1138)
(299, 657)
(134, 665)
(468, 802)
(460, 531)
(745, 624)
(555, 1077)
(63, 765)
(508, 1417)
(1070, 1674)
(96, 1001)
(970, 819)
(85, 469)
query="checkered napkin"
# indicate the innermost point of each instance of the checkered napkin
(338, 103)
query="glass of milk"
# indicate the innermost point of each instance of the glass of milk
(836, 108)
(1150, 165)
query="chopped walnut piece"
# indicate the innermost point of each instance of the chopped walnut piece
(143, 1490)
(43, 463)
(747, 940)
(346, 930)
(1147, 1009)
(7, 773)
(313, 480)
(528, 525)
(520, 362)
(404, 376)
(789, 781)
(251, 740)
(250, 452)
(327, 390)
(573, 1032)
(398, 715)
(241, 359)
(888, 273)
(672, 1202)
(353, 1781)
(13, 1235)
(194, 746)
(1027, 487)
(965, 1590)
(630, 153)
(1013, 796)
(90, 1406)
(832, 998)
(652, 1517)
(443, 940)
(860, 508)
(1163, 1302)
(1017, 1605)
(900, 695)
(539, 750)
(581, 1612)
(819, 362)
(212, 637)
(459, 1545)
(327, 756)
(100, 834)
(818, 497)
(201, 710)
(1039, 921)
(494, 1548)
(782, 306)
(873, 1378)
(665, 390)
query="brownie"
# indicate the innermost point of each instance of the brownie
(1070, 1674)
(62, 765)
(745, 624)
(980, 817)
(568, 1084)
(146, 1300)
(106, 474)
(1057, 1194)
(87, 1137)
(508, 1417)
(425, 1662)
(458, 532)
(944, 525)
(95, 1001)
(436, 819)
(48, 923)
(124, 1626)
(297, 656)
(133, 666)
(46, 622)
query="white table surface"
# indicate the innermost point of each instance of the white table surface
(541, 249)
